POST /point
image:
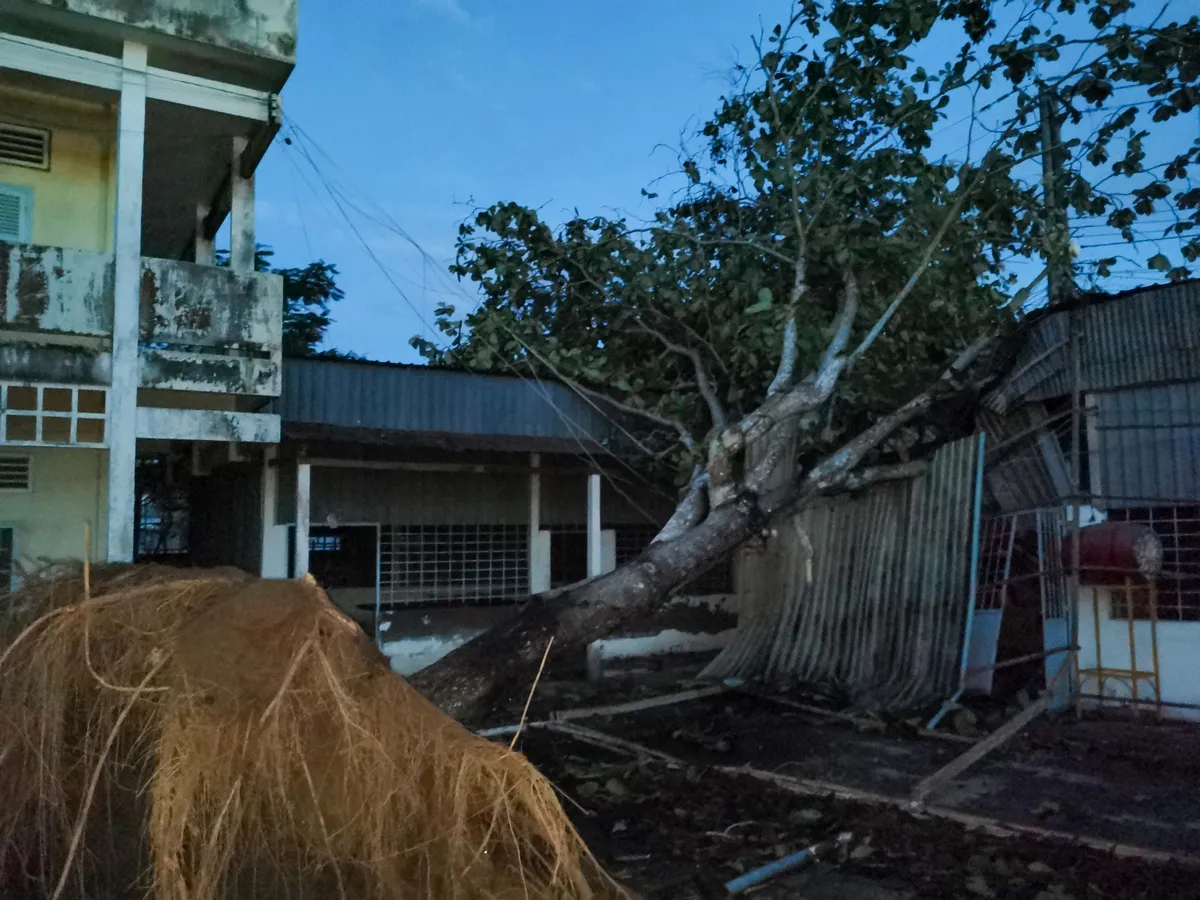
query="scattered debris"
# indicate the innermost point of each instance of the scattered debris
(764, 873)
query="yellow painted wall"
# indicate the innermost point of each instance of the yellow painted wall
(73, 202)
(70, 487)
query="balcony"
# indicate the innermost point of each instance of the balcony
(202, 328)
(252, 42)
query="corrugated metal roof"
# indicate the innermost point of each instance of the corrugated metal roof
(423, 400)
(1149, 336)
(1148, 445)
(1026, 466)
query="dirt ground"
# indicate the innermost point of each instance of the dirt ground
(684, 831)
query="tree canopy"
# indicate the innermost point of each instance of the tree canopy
(815, 180)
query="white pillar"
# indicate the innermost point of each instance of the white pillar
(303, 516)
(241, 213)
(595, 540)
(535, 518)
(127, 248)
(206, 251)
(270, 500)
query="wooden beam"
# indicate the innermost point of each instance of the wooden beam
(994, 740)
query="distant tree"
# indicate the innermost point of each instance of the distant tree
(308, 292)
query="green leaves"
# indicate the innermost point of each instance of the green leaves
(762, 304)
(822, 158)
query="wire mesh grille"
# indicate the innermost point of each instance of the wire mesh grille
(1178, 527)
(476, 564)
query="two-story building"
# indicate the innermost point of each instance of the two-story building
(129, 133)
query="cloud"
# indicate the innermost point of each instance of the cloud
(448, 9)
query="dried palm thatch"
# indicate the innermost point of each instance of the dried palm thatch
(212, 736)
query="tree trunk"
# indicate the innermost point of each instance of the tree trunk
(464, 682)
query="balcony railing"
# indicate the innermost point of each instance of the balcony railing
(202, 328)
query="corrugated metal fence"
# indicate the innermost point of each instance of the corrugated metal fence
(866, 596)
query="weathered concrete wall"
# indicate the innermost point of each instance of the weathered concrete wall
(64, 365)
(216, 331)
(73, 201)
(184, 371)
(69, 490)
(207, 425)
(1178, 659)
(259, 27)
(52, 289)
(207, 306)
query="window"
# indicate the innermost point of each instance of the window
(1179, 584)
(324, 543)
(50, 415)
(8, 546)
(453, 563)
(24, 146)
(16, 214)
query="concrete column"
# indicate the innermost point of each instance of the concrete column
(535, 519)
(241, 213)
(122, 395)
(271, 561)
(595, 539)
(303, 516)
(206, 251)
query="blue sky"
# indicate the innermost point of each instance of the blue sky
(414, 111)
(421, 106)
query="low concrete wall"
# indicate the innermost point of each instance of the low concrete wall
(414, 639)
(685, 625)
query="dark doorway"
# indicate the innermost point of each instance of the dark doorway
(568, 557)
(342, 557)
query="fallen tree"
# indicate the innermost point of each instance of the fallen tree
(823, 299)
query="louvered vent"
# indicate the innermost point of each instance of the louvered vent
(21, 146)
(14, 473)
(10, 216)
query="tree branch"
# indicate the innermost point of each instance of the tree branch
(690, 512)
(836, 467)
(703, 380)
(787, 359)
(685, 436)
(926, 258)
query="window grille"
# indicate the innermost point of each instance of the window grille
(449, 564)
(39, 415)
(1178, 584)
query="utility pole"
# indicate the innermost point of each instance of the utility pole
(1060, 276)
(1056, 246)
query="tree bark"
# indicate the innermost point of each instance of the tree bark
(465, 682)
